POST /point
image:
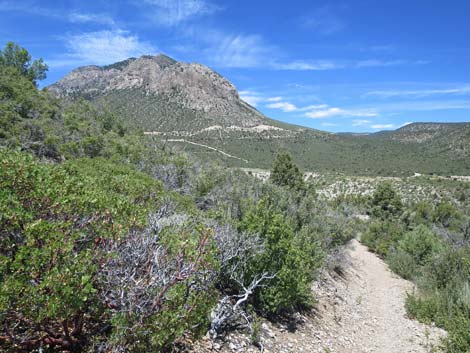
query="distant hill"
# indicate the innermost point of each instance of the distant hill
(196, 109)
(425, 132)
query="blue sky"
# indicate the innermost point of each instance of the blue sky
(362, 65)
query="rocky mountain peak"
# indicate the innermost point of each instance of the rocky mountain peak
(177, 94)
(153, 74)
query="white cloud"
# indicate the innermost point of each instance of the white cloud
(274, 99)
(101, 48)
(222, 49)
(103, 19)
(251, 100)
(57, 14)
(378, 63)
(325, 113)
(301, 65)
(463, 90)
(324, 20)
(407, 123)
(313, 107)
(284, 106)
(382, 126)
(173, 12)
(423, 105)
(360, 122)
(323, 65)
(251, 97)
(30, 8)
(240, 51)
(329, 112)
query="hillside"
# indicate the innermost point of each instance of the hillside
(159, 94)
(196, 109)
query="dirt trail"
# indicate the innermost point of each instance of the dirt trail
(369, 312)
(360, 311)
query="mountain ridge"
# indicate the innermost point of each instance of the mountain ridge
(170, 95)
(196, 109)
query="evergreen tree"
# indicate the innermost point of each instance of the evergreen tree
(15, 56)
(286, 173)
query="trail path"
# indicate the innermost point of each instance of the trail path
(369, 312)
(208, 147)
(361, 311)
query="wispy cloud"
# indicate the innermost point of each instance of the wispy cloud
(382, 126)
(284, 106)
(379, 63)
(103, 19)
(301, 65)
(423, 105)
(274, 99)
(101, 48)
(251, 97)
(324, 20)
(73, 16)
(360, 122)
(462, 90)
(240, 51)
(27, 7)
(173, 12)
(323, 111)
(330, 112)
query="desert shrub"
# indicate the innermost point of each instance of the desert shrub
(421, 244)
(445, 213)
(291, 257)
(159, 285)
(439, 308)
(422, 212)
(385, 201)
(52, 220)
(381, 235)
(444, 296)
(402, 263)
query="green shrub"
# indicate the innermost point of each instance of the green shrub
(385, 201)
(53, 219)
(421, 244)
(445, 213)
(402, 263)
(381, 235)
(292, 258)
(286, 173)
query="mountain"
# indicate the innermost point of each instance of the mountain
(196, 109)
(440, 137)
(425, 132)
(161, 95)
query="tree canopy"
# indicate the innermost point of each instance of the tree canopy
(15, 56)
(285, 172)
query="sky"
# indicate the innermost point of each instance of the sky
(339, 66)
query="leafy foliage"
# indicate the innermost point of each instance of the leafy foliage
(385, 201)
(19, 58)
(285, 173)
